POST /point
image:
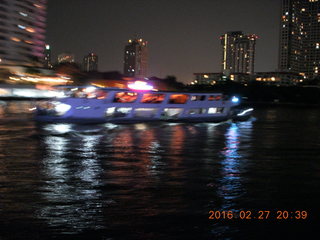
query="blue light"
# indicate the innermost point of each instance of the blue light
(235, 99)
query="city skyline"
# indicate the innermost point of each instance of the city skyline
(183, 36)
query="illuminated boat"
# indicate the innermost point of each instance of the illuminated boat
(138, 104)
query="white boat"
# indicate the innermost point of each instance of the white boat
(100, 105)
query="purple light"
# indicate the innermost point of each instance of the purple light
(140, 85)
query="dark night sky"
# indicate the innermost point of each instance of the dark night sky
(183, 35)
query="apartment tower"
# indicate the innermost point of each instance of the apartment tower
(22, 32)
(136, 58)
(299, 49)
(238, 52)
(90, 62)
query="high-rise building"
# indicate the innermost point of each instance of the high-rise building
(90, 62)
(22, 32)
(66, 58)
(136, 58)
(300, 37)
(47, 57)
(238, 52)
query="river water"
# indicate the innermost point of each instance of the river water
(160, 181)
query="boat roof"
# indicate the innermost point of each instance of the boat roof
(131, 90)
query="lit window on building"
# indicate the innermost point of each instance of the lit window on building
(38, 6)
(15, 39)
(23, 14)
(31, 30)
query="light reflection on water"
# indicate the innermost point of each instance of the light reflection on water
(230, 184)
(154, 181)
(73, 200)
(133, 159)
(233, 163)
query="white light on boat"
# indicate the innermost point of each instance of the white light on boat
(110, 111)
(140, 85)
(61, 108)
(124, 109)
(235, 99)
(90, 89)
(51, 94)
(212, 110)
(60, 95)
(25, 92)
(245, 111)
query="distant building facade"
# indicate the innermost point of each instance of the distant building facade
(269, 78)
(207, 78)
(136, 58)
(22, 32)
(90, 62)
(214, 78)
(238, 52)
(279, 78)
(299, 49)
(66, 58)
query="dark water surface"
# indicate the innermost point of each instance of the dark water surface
(159, 181)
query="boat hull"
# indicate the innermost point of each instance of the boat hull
(50, 119)
(139, 107)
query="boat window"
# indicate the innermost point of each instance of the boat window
(100, 94)
(193, 111)
(170, 113)
(145, 112)
(214, 97)
(125, 97)
(118, 112)
(178, 98)
(215, 110)
(152, 98)
(198, 97)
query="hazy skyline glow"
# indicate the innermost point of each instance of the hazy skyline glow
(183, 35)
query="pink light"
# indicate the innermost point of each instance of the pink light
(140, 85)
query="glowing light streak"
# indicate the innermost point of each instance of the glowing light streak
(245, 111)
(140, 85)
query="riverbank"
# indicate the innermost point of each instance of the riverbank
(259, 94)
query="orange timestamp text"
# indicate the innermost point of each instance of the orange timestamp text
(258, 214)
